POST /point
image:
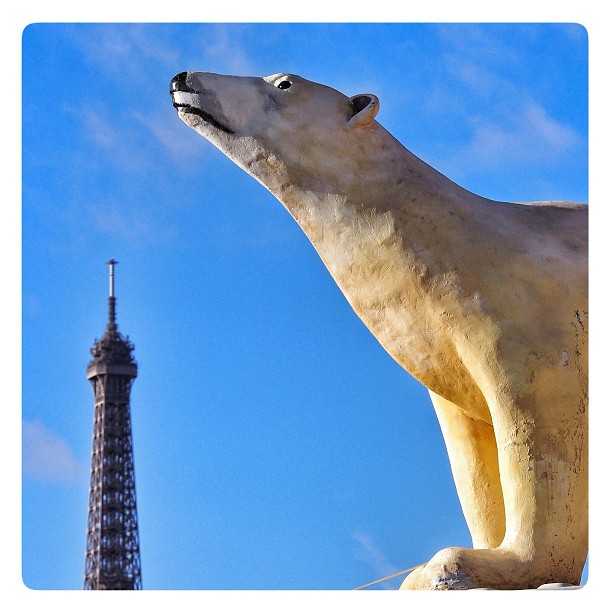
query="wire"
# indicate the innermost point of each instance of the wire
(410, 569)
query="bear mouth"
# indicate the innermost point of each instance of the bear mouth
(207, 117)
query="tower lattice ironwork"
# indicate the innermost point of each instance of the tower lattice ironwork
(112, 555)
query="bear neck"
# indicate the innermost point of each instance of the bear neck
(378, 184)
(367, 166)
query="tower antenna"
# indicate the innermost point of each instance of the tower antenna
(111, 291)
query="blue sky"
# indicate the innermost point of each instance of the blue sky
(277, 445)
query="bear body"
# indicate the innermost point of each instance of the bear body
(483, 302)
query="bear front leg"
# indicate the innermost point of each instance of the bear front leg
(544, 482)
(472, 452)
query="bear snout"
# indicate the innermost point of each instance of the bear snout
(192, 102)
(179, 83)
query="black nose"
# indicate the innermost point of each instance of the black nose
(179, 82)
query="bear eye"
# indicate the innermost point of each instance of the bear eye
(284, 85)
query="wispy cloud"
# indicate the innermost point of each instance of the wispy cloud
(102, 132)
(529, 135)
(131, 223)
(511, 121)
(468, 75)
(129, 50)
(184, 146)
(369, 553)
(224, 49)
(111, 138)
(47, 457)
(481, 41)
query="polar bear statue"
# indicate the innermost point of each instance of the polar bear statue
(483, 302)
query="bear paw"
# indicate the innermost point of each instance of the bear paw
(464, 568)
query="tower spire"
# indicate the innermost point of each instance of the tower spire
(111, 291)
(112, 553)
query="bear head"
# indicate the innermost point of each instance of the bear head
(282, 129)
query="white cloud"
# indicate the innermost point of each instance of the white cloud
(98, 129)
(468, 76)
(134, 224)
(47, 456)
(115, 138)
(182, 144)
(490, 43)
(531, 135)
(369, 553)
(127, 50)
(224, 49)
(511, 122)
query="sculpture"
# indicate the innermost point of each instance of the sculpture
(483, 302)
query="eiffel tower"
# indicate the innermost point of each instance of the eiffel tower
(112, 552)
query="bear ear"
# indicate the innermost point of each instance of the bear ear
(365, 108)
